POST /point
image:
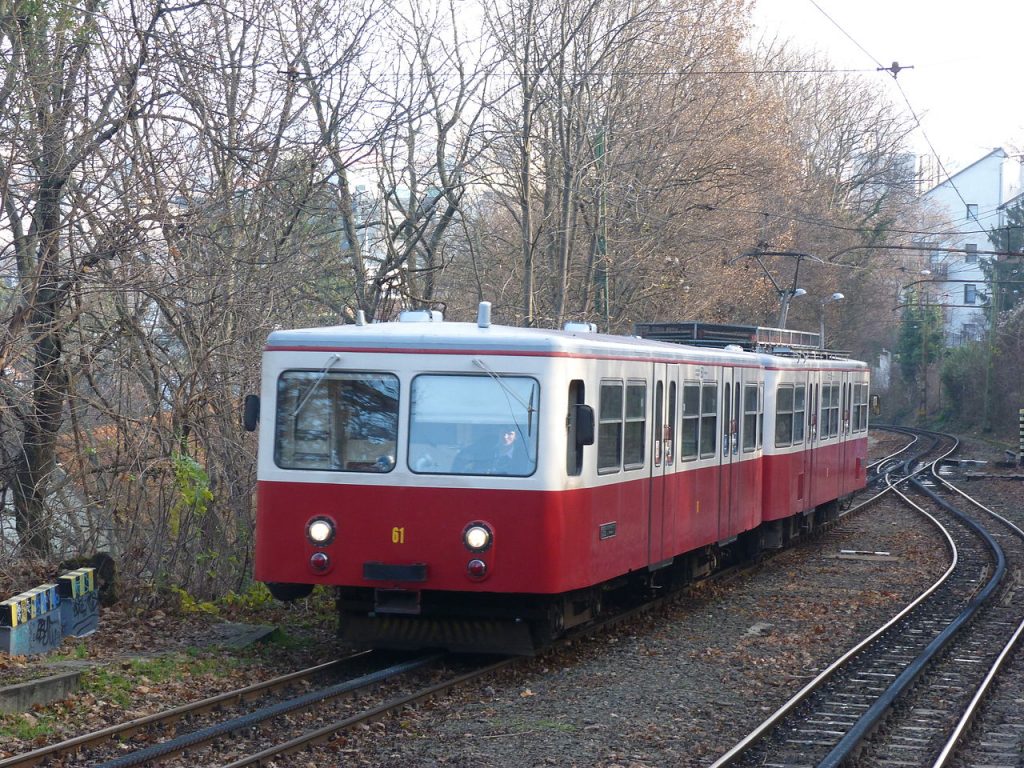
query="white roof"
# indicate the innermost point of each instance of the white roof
(500, 339)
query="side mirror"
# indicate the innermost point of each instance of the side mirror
(251, 412)
(876, 405)
(584, 425)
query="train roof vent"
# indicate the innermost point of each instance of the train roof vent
(572, 327)
(420, 316)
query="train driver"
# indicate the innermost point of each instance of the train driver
(509, 456)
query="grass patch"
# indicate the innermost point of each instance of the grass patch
(116, 684)
(551, 725)
(78, 653)
(26, 727)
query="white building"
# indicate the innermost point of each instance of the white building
(969, 204)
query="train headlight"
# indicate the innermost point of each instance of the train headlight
(320, 531)
(477, 537)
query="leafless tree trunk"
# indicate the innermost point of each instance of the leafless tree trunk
(70, 88)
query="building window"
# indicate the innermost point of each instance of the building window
(971, 253)
(972, 211)
(970, 294)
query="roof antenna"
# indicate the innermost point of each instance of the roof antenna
(483, 315)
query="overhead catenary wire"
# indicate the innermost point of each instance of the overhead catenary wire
(894, 70)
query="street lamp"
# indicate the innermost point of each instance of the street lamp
(821, 316)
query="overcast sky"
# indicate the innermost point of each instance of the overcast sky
(967, 84)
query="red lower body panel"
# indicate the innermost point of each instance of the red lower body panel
(545, 542)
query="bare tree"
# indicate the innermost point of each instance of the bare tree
(74, 80)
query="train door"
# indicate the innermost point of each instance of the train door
(662, 502)
(811, 438)
(843, 430)
(732, 391)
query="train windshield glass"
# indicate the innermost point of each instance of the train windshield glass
(340, 421)
(474, 425)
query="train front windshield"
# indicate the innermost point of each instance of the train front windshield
(347, 421)
(474, 425)
(340, 421)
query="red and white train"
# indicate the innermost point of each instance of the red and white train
(481, 487)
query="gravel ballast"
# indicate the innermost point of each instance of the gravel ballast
(681, 687)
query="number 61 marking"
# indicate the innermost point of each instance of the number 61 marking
(398, 535)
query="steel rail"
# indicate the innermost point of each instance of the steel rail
(967, 718)
(70, 746)
(867, 722)
(194, 739)
(894, 454)
(773, 720)
(370, 715)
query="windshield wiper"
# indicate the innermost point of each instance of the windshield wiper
(312, 388)
(530, 410)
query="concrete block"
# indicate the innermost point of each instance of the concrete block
(44, 690)
(41, 634)
(80, 616)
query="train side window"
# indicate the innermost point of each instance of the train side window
(760, 415)
(736, 422)
(860, 407)
(799, 408)
(658, 433)
(812, 413)
(830, 410)
(727, 416)
(691, 422)
(864, 404)
(708, 420)
(750, 417)
(636, 425)
(847, 404)
(670, 428)
(574, 449)
(822, 408)
(609, 429)
(784, 415)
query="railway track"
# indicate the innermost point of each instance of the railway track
(908, 694)
(323, 726)
(242, 715)
(232, 738)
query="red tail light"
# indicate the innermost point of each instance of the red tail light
(476, 569)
